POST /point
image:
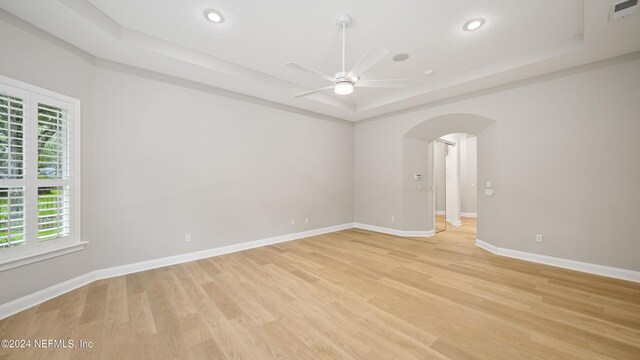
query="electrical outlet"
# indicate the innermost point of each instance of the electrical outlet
(539, 238)
(393, 218)
(306, 220)
(293, 221)
(187, 237)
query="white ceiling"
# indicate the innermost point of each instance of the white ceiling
(248, 51)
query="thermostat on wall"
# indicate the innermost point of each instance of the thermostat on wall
(417, 177)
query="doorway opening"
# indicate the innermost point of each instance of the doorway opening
(455, 177)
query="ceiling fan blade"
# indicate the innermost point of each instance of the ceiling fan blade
(311, 71)
(314, 91)
(389, 83)
(372, 56)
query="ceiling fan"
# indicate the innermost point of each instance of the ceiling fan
(344, 82)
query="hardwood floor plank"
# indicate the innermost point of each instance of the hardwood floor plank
(208, 350)
(140, 315)
(217, 293)
(116, 309)
(95, 304)
(352, 294)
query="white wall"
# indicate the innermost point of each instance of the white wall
(162, 158)
(547, 157)
(34, 57)
(468, 174)
(440, 179)
(171, 160)
(452, 179)
(417, 193)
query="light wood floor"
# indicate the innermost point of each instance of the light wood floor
(348, 295)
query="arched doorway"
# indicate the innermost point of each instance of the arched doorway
(419, 197)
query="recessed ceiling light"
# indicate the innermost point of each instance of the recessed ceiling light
(213, 16)
(474, 24)
(429, 72)
(401, 57)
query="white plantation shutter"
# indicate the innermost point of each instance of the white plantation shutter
(53, 212)
(11, 137)
(13, 111)
(54, 155)
(53, 142)
(12, 224)
(39, 188)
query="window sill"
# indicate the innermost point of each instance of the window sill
(14, 262)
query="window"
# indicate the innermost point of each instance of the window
(39, 174)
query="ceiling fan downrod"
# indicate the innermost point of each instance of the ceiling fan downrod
(344, 20)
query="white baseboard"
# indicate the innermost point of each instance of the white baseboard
(418, 233)
(471, 215)
(396, 232)
(489, 247)
(25, 302)
(197, 255)
(441, 213)
(455, 223)
(590, 268)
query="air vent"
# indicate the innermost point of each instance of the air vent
(623, 8)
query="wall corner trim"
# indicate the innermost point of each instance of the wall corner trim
(590, 268)
(40, 296)
(396, 232)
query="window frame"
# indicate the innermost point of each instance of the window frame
(34, 250)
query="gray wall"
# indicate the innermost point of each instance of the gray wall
(551, 158)
(440, 175)
(34, 57)
(468, 173)
(162, 158)
(417, 193)
(171, 160)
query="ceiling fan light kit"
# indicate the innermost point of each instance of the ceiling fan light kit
(344, 82)
(343, 87)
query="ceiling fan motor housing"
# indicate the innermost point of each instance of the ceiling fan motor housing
(344, 19)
